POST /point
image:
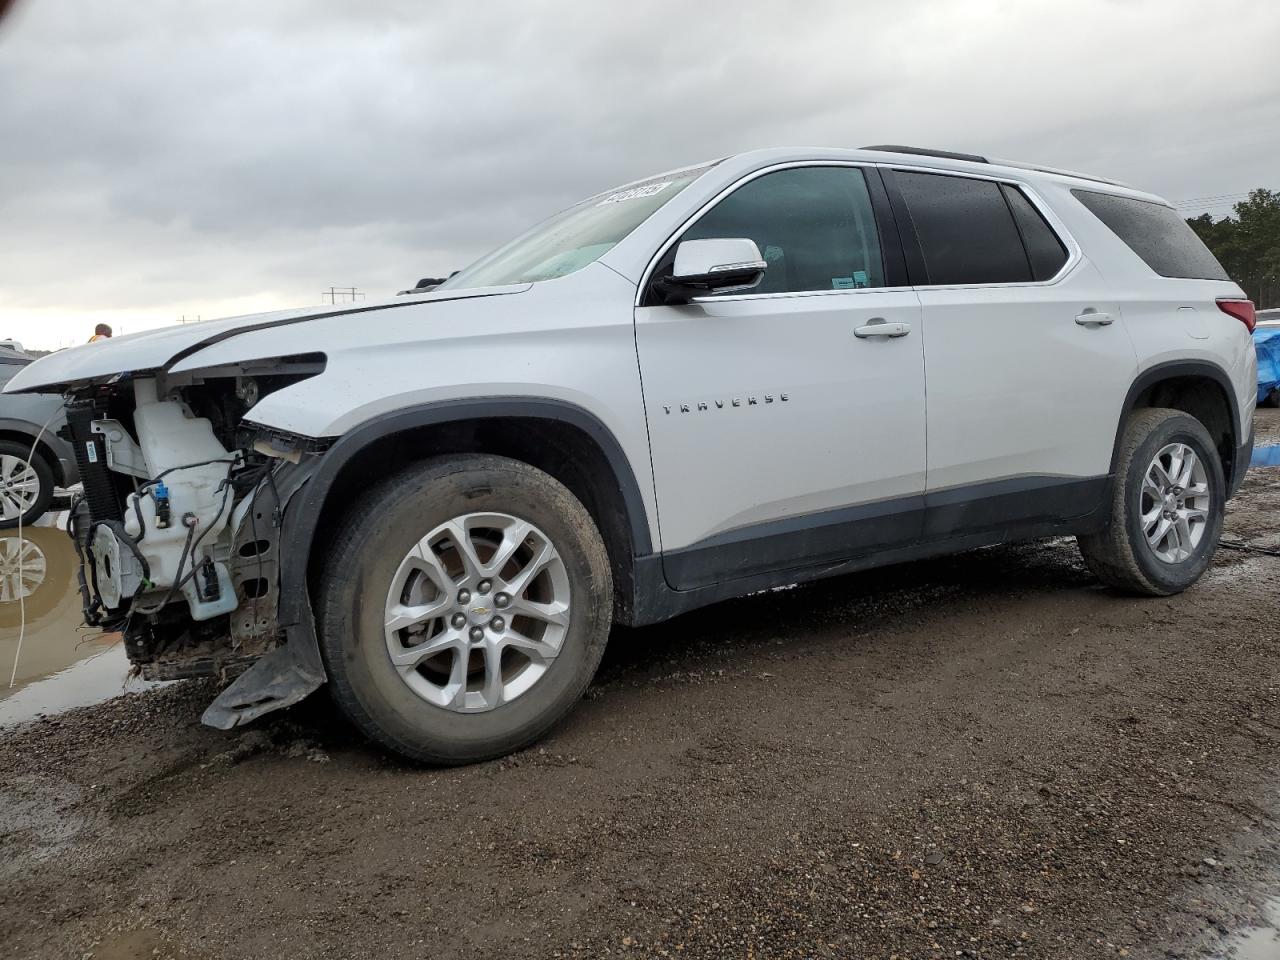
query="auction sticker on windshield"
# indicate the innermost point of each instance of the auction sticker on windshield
(648, 190)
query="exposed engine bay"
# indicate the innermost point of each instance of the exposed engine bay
(179, 523)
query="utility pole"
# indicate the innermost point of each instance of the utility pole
(341, 294)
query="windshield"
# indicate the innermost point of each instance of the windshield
(575, 237)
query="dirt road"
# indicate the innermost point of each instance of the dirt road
(986, 756)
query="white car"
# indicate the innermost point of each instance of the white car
(779, 366)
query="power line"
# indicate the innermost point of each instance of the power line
(341, 294)
(1221, 199)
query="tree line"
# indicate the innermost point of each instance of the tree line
(1248, 245)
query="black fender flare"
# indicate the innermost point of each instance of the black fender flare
(291, 672)
(302, 516)
(1184, 368)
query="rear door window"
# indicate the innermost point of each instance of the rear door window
(965, 228)
(1156, 233)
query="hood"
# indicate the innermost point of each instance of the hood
(158, 349)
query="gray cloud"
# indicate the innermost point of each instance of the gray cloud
(166, 157)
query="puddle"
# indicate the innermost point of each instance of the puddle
(61, 663)
(1262, 943)
(1268, 456)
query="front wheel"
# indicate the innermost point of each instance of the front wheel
(1168, 499)
(464, 608)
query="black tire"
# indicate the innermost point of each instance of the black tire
(1272, 399)
(44, 472)
(1120, 555)
(373, 539)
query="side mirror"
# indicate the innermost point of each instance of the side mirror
(703, 267)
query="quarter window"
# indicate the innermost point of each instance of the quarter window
(966, 230)
(814, 226)
(1156, 233)
(1044, 249)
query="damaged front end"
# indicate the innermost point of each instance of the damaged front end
(180, 524)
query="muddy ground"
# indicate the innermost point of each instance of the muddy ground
(984, 756)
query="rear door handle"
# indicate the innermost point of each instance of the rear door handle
(1092, 318)
(881, 328)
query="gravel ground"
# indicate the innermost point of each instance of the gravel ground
(984, 756)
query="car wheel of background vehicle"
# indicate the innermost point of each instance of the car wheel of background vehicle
(1167, 507)
(464, 607)
(1272, 399)
(26, 484)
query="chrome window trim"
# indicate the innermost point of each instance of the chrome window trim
(742, 181)
(1075, 254)
(800, 293)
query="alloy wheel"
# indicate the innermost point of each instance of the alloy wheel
(477, 611)
(19, 487)
(1175, 503)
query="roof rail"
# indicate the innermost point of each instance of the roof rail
(926, 152)
(1058, 171)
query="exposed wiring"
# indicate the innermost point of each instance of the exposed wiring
(173, 588)
(22, 593)
(192, 542)
(235, 458)
(275, 493)
(225, 487)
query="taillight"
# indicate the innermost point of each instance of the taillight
(1242, 310)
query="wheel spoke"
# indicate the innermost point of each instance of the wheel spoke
(401, 616)
(460, 534)
(456, 691)
(1189, 465)
(512, 537)
(409, 658)
(518, 584)
(1156, 537)
(555, 613)
(1183, 530)
(1151, 516)
(13, 507)
(424, 559)
(538, 651)
(491, 689)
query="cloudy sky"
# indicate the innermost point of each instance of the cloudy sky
(209, 157)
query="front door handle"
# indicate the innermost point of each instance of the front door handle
(882, 328)
(1092, 318)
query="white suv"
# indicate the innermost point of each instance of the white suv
(779, 366)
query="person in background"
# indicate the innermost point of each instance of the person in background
(101, 332)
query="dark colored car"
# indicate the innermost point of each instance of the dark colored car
(32, 463)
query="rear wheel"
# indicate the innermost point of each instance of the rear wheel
(1167, 507)
(465, 606)
(26, 484)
